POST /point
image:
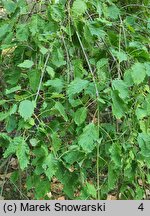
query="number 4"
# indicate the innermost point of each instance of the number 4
(141, 207)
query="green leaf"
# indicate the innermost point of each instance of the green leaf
(2, 102)
(26, 64)
(141, 113)
(138, 73)
(34, 142)
(73, 156)
(56, 83)
(56, 141)
(50, 71)
(91, 190)
(12, 146)
(42, 187)
(121, 87)
(11, 124)
(34, 79)
(96, 30)
(76, 86)
(43, 50)
(22, 153)
(34, 25)
(113, 12)
(50, 166)
(10, 6)
(57, 12)
(147, 68)
(14, 89)
(115, 151)
(22, 32)
(112, 176)
(121, 56)
(61, 110)
(4, 115)
(80, 115)
(128, 78)
(26, 109)
(3, 30)
(58, 57)
(87, 140)
(144, 143)
(79, 71)
(79, 7)
(19, 147)
(118, 106)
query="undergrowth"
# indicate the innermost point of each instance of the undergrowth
(75, 97)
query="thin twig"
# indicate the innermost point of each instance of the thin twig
(136, 5)
(68, 60)
(42, 75)
(87, 60)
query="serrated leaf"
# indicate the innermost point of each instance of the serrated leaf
(73, 156)
(77, 86)
(79, 7)
(80, 115)
(120, 55)
(57, 84)
(57, 12)
(22, 32)
(50, 166)
(26, 109)
(58, 57)
(87, 140)
(118, 105)
(91, 190)
(26, 64)
(33, 27)
(10, 6)
(96, 30)
(121, 87)
(19, 147)
(144, 143)
(56, 141)
(112, 177)
(22, 154)
(4, 115)
(115, 151)
(34, 79)
(41, 188)
(61, 110)
(138, 73)
(113, 12)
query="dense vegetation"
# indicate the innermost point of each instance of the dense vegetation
(75, 99)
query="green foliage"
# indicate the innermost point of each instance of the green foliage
(75, 96)
(26, 64)
(80, 115)
(19, 147)
(26, 109)
(87, 140)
